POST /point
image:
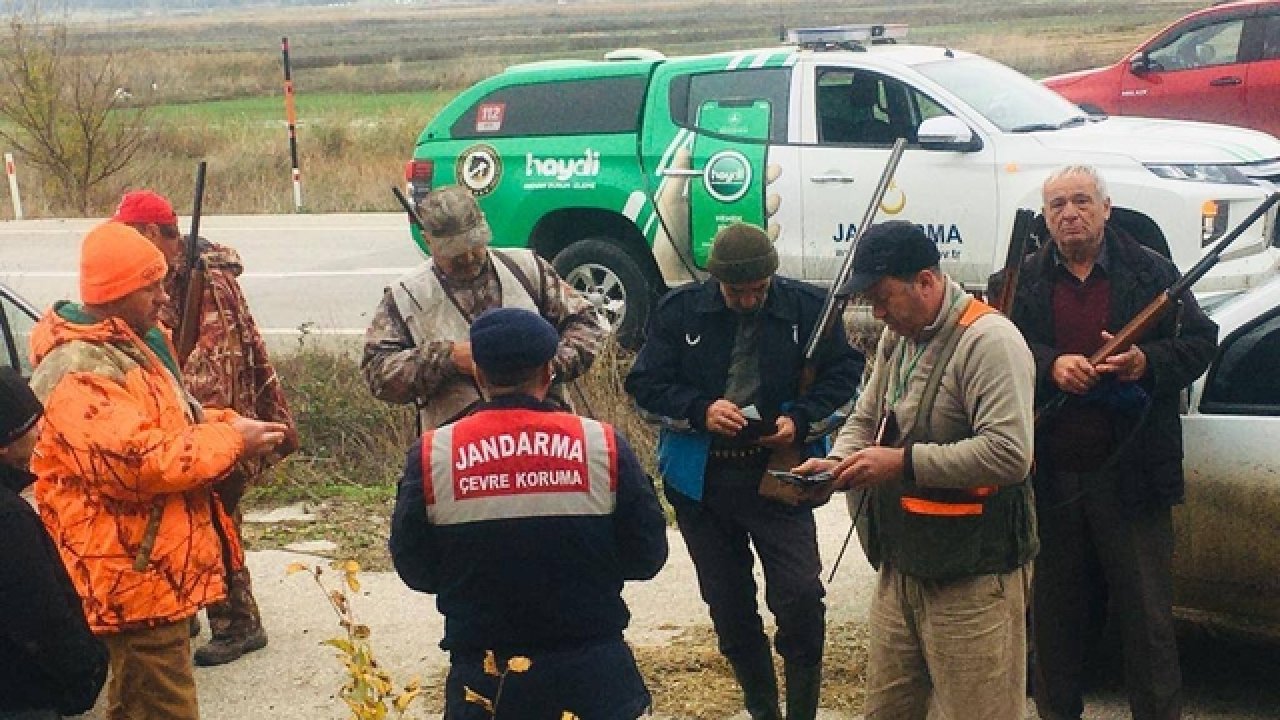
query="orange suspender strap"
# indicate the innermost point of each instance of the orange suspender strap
(924, 506)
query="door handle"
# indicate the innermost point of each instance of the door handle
(827, 179)
(1224, 81)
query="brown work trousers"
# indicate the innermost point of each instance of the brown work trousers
(151, 674)
(1102, 562)
(959, 646)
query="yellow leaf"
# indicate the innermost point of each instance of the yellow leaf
(490, 664)
(519, 664)
(353, 582)
(296, 568)
(474, 697)
(343, 645)
(403, 700)
(350, 567)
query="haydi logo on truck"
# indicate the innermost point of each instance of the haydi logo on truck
(652, 155)
(556, 172)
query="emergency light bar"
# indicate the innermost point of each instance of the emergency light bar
(846, 35)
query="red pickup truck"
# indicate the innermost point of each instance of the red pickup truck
(1220, 64)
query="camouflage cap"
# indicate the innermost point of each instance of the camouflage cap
(453, 221)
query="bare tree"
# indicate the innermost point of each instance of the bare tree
(69, 117)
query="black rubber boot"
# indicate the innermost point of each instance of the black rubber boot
(759, 684)
(804, 686)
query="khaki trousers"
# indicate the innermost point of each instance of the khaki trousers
(959, 645)
(151, 674)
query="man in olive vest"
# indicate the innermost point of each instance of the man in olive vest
(938, 451)
(416, 349)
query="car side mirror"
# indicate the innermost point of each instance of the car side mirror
(947, 132)
(1140, 64)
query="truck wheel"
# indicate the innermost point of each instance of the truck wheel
(613, 280)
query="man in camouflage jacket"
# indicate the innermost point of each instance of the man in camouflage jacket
(228, 367)
(417, 351)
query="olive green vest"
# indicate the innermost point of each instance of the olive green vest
(944, 533)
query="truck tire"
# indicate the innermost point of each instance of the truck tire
(602, 270)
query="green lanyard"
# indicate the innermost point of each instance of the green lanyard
(900, 387)
(903, 380)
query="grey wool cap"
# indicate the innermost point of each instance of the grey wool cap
(742, 253)
(453, 221)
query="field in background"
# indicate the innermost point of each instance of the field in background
(369, 76)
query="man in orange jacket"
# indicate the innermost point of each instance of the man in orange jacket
(228, 367)
(124, 464)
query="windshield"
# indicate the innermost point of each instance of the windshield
(1010, 100)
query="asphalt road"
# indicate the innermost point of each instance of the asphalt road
(324, 272)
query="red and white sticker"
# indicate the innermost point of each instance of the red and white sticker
(489, 117)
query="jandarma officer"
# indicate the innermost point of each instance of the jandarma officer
(525, 521)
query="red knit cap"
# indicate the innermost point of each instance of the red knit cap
(116, 260)
(145, 206)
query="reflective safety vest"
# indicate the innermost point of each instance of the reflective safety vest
(516, 463)
(947, 533)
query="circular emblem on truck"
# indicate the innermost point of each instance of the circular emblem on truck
(727, 176)
(478, 169)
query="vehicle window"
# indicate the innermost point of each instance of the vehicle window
(1271, 38)
(597, 106)
(15, 335)
(1244, 380)
(1217, 44)
(688, 93)
(1008, 99)
(859, 107)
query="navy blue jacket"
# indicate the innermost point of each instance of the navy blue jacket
(48, 657)
(530, 584)
(684, 363)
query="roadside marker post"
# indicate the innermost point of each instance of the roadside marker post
(292, 118)
(12, 172)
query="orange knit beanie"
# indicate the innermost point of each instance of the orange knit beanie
(116, 260)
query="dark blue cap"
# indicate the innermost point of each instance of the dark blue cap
(889, 249)
(506, 340)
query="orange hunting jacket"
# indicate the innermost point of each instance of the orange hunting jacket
(120, 438)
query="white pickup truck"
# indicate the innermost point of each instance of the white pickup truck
(621, 171)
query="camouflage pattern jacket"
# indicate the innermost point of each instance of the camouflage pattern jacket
(401, 371)
(123, 448)
(229, 366)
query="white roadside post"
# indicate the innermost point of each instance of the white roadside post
(13, 185)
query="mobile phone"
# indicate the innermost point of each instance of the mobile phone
(814, 479)
(731, 149)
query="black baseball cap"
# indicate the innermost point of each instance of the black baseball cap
(889, 249)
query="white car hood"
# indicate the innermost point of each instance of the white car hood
(1148, 140)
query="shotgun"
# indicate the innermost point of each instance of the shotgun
(834, 305)
(1150, 315)
(1008, 275)
(191, 284)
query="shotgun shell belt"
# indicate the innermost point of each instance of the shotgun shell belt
(747, 453)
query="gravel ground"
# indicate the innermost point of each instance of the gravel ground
(296, 678)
